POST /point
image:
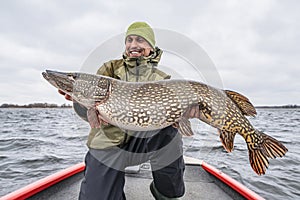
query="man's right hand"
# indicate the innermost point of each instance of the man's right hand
(67, 97)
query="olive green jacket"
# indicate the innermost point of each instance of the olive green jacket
(128, 69)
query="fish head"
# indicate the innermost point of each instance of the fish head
(61, 80)
(83, 88)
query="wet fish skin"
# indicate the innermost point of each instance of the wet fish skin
(155, 105)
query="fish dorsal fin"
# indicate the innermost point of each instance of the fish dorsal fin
(184, 127)
(242, 102)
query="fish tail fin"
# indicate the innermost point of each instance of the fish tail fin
(227, 139)
(261, 147)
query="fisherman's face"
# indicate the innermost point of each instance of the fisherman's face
(137, 46)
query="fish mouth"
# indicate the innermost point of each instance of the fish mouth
(63, 75)
(61, 80)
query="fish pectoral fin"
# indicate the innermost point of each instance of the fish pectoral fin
(227, 140)
(93, 117)
(184, 127)
(242, 102)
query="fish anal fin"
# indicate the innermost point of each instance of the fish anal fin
(227, 140)
(260, 148)
(242, 102)
(184, 127)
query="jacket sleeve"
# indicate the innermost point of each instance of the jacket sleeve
(106, 70)
(80, 110)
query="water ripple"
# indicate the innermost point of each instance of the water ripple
(35, 143)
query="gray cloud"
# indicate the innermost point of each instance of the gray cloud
(254, 44)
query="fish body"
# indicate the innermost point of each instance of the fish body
(155, 105)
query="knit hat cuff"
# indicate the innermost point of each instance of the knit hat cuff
(144, 30)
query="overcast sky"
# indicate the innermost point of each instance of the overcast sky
(254, 45)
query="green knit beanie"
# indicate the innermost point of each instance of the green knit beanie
(142, 29)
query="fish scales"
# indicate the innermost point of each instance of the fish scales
(149, 106)
(155, 105)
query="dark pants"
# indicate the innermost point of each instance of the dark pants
(105, 176)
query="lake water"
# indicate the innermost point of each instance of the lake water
(35, 143)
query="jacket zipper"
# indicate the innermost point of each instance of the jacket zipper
(137, 70)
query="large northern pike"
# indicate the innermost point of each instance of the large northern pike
(155, 105)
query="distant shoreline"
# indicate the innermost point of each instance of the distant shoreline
(36, 105)
(284, 106)
(48, 105)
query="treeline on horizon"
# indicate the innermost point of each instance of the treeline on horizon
(35, 105)
(283, 106)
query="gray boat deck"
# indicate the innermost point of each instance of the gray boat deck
(199, 185)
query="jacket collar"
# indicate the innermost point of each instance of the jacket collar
(138, 66)
(151, 60)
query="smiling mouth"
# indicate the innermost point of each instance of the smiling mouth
(135, 52)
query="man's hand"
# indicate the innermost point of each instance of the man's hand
(67, 97)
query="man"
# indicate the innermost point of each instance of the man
(112, 149)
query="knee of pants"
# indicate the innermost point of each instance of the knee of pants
(100, 181)
(169, 180)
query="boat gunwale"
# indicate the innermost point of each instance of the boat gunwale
(47, 182)
(44, 183)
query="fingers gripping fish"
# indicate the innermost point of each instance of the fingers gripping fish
(155, 105)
